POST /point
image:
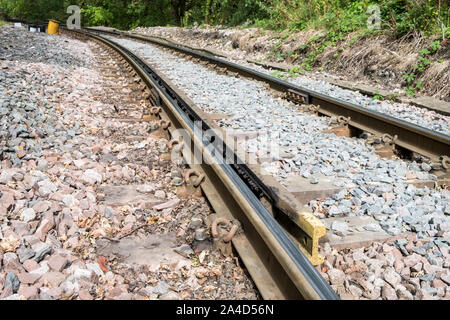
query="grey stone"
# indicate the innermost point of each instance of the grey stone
(46, 187)
(184, 250)
(28, 214)
(336, 276)
(393, 231)
(161, 288)
(25, 254)
(427, 277)
(11, 281)
(425, 167)
(391, 277)
(339, 227)
(95, 267)
(419, 250)
(91, 177)
(373, 227)
(333, 210)
(40, 254)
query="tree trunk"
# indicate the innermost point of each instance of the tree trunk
(207, 11)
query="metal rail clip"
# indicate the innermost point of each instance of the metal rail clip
(298, 97)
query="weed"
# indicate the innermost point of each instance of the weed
(424, 63)
(278, 74)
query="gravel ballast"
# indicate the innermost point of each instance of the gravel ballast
(62, 147)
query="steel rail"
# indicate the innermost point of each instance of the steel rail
(296, 267)
(411, 137)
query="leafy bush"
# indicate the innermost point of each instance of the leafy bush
(98, 15)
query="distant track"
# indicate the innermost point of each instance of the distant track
(277, 265)
(411, 137)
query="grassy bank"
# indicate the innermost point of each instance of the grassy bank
(398, 17)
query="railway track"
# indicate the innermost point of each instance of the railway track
(280, 239)
(409, 139)
(277, 262)
(284, 208)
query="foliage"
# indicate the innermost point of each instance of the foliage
(424, 58)
(399, 17)
(98, 15)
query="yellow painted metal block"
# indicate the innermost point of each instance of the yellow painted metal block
(53, 27)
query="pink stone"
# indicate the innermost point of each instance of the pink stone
(28, 278)
(57, 262)
(7, 200)
(336, 276)
(398, 265)
(53, 278)
(30, 265)
(410, 176)
(57, 196)
(80, 163)
(29, 292)
(387, 248)
(73, 242)
(41, 206)
(169, 204)
(62, 229)
(6, 292)
(388, 293)
(11, 263)
(406, 272)
(97, 148)
(127, 228)
(412, 260)
(55, 206)
(85, 295)
(3, 210)
(397, 254)
(45, 226)
(428, 268)
(84, 204)
(438, 284)
(114, 293)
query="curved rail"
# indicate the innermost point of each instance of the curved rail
(292, 275)
(411, 137)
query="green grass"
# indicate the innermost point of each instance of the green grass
(2, 23)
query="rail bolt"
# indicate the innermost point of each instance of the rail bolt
(234, 227)
(193, 173)
(340, 127)
(162, 130)
(153, 114)
(155, 111)
(191, 188)
(445, 161)
(388, 139)
(174, 154)
(384, 146)
(343, 121)
(172, 143)
(164, 124)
